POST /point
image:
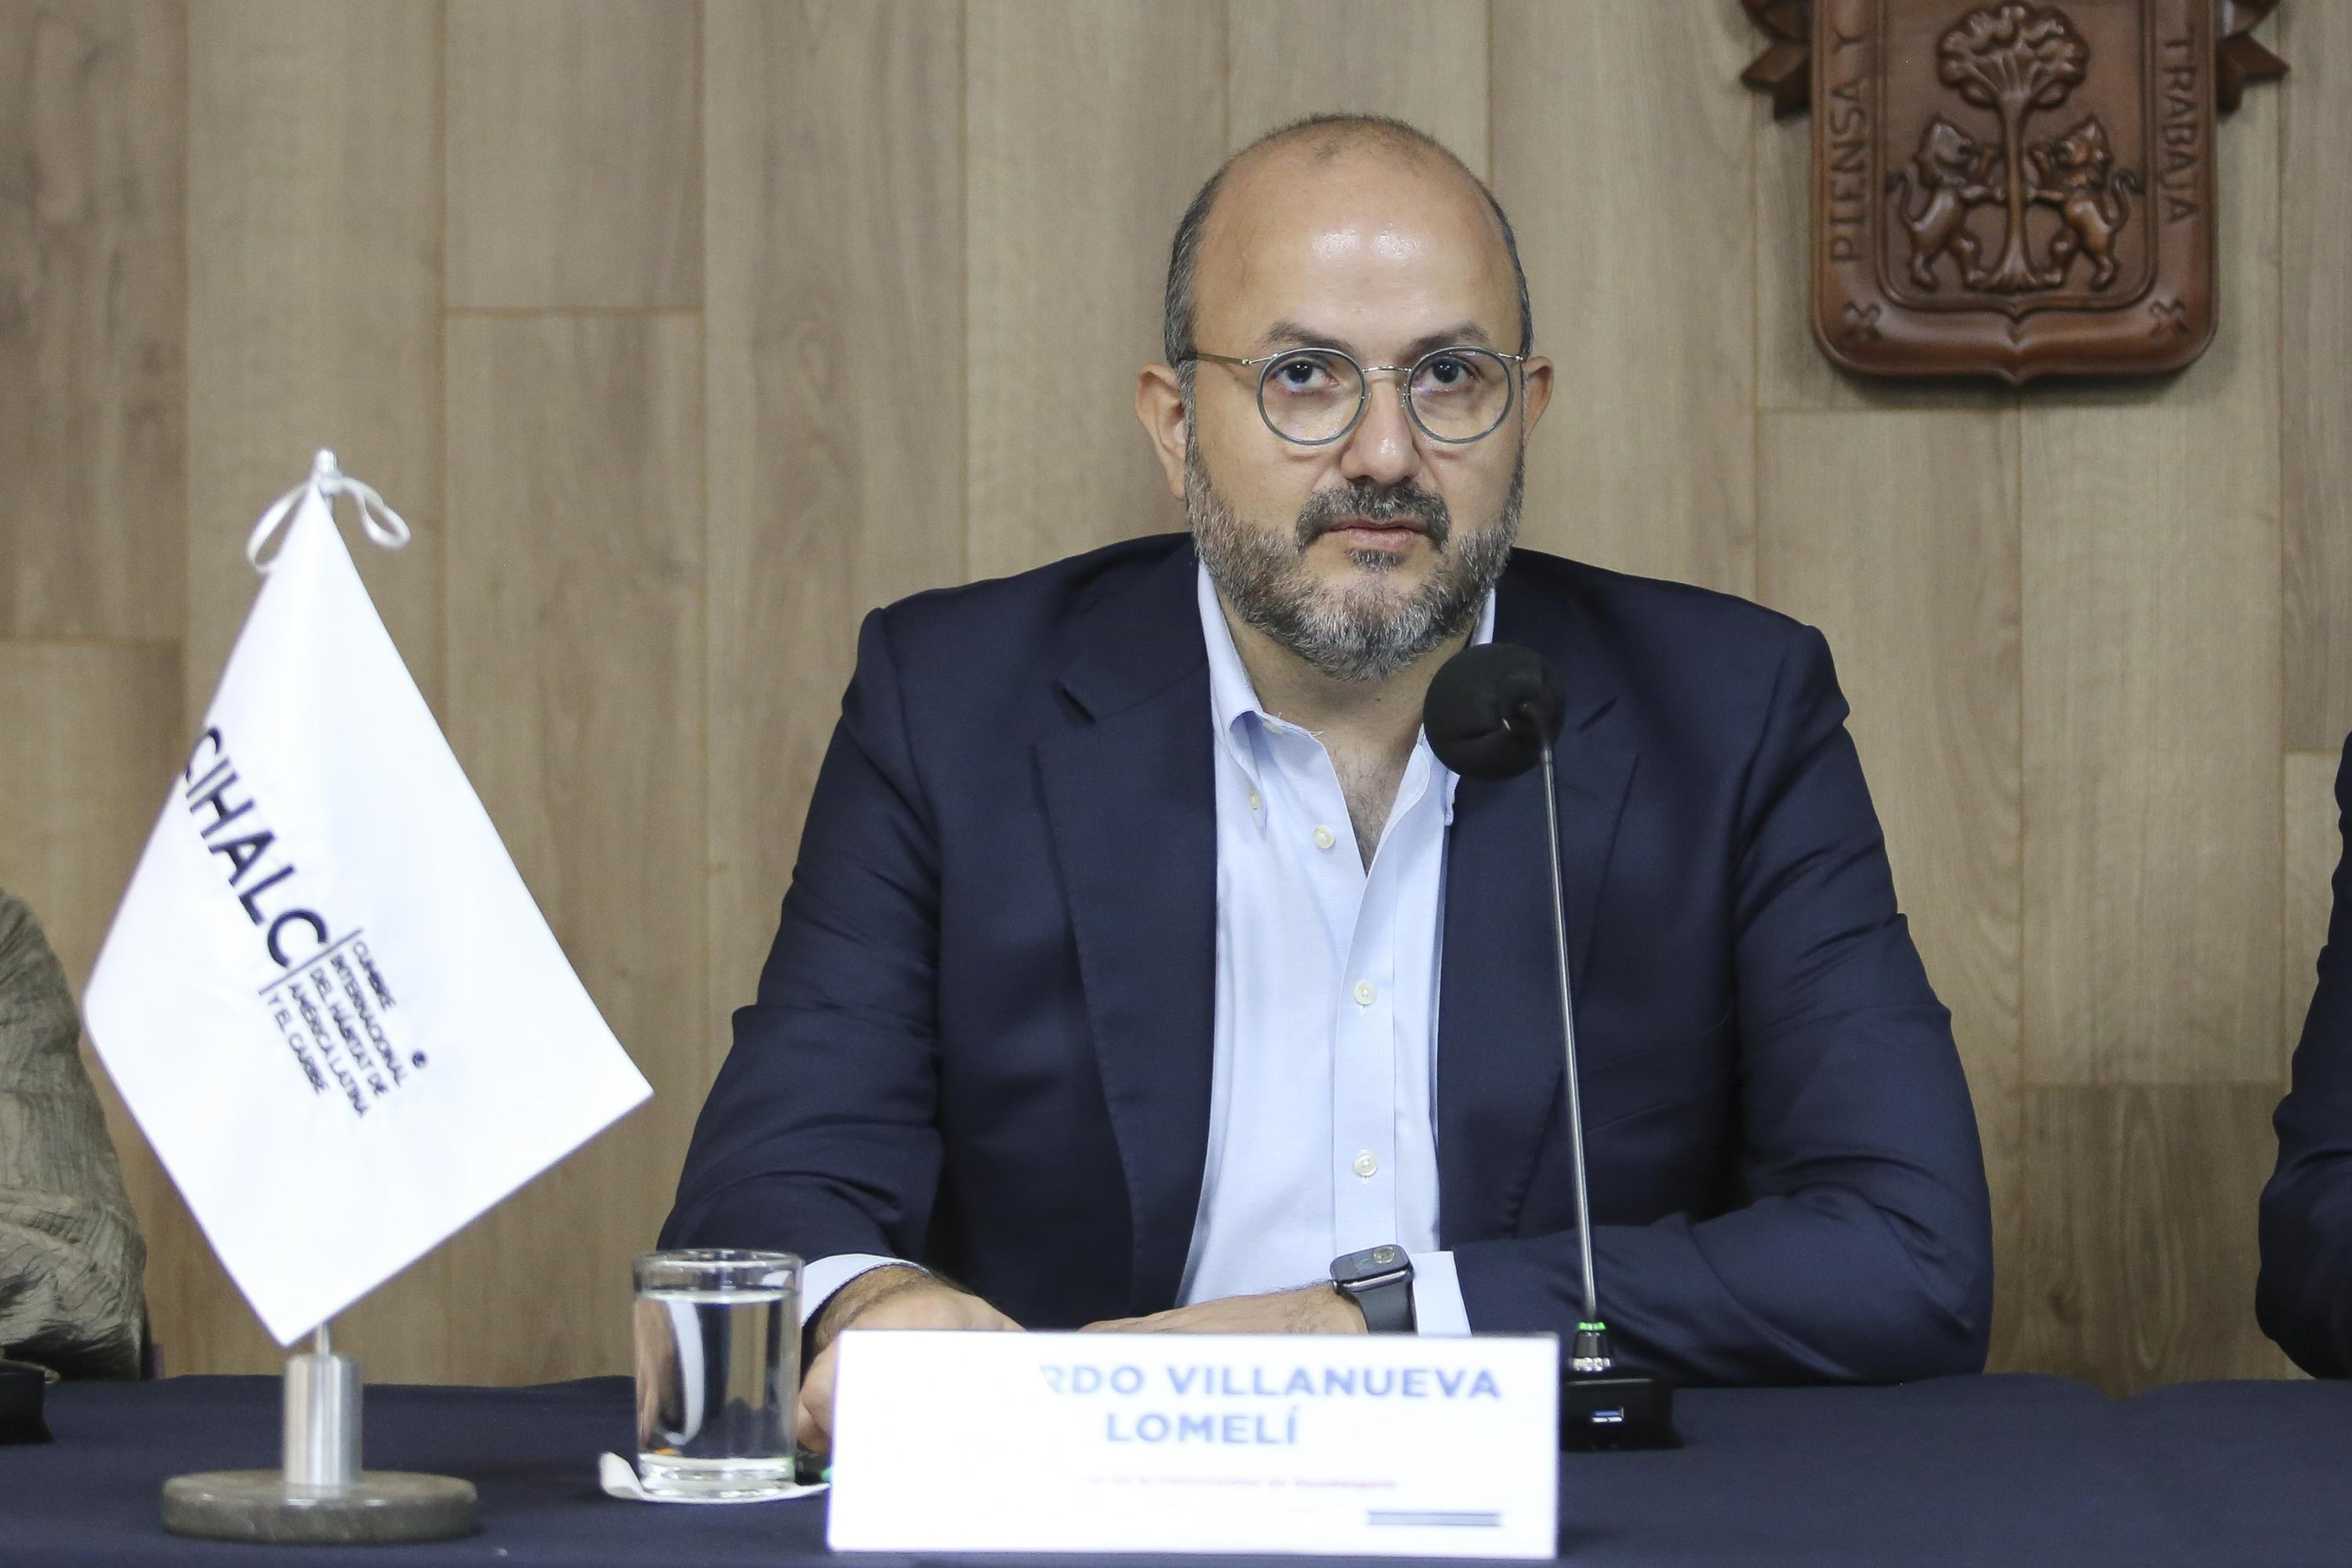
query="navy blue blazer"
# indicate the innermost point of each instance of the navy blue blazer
(983, 1037)
(2304, 1296)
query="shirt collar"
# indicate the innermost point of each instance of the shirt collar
(1233, 696)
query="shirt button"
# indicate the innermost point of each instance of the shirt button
(1364, 993)
(1324, 838)
(1253, 800)
(1366, 1166)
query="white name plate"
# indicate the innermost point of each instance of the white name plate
(1355, 1445)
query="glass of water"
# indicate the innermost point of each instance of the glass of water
(718, 1352)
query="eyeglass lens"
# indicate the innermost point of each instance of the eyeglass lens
(1314, 395)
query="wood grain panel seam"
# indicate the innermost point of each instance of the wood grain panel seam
(1756, 297)
(2285, 670)
(499, 312)
(2287, 835)
(1755, 370)
(1489, 9)
(963, 283)
(2286, 673)
(1897, 411)
(703, 962)
(446, 555)
(2284, 1023)
(963, 272)
(2270, 1081)
(1755, 365)
(1226, 75)
(187, 303)
(2016, 414)
(1883, 410)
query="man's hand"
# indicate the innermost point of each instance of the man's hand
(887, 1298)
(1310, 1310)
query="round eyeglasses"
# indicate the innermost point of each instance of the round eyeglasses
(1315, 396)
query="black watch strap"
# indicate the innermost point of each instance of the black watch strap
(1379, 1279)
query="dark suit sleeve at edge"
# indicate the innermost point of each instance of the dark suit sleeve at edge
(2304, 1296)
(820, 1135)
(1865, 1254)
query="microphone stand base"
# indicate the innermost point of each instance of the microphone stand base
(1606, 1410)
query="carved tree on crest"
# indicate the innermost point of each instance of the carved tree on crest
(2014, 59)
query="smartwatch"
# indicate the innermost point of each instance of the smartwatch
(1379, 1279)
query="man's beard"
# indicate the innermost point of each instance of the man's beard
(1361, 632)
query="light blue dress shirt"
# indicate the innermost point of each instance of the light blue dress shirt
(1322, 1131)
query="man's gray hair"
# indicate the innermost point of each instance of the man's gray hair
(1338, 132)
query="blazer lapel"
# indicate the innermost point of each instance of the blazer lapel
(1499, 1059)
(1131, 798)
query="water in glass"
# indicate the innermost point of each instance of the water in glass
(718, 1374)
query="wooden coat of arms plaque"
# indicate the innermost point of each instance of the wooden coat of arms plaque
(2012, 189)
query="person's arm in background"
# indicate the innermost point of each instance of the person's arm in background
(1866, 1253)
(2304, 1296)
(70, 1256)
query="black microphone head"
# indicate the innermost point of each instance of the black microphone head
(1492, 710)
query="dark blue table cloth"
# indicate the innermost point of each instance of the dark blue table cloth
(1993, 1470)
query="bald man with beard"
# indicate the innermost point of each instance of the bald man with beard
(1142, 965)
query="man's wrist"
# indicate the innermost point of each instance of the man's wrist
(868, 1290)
(1349, 1314)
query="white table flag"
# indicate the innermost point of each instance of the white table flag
(328, 998)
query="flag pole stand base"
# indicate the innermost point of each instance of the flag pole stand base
(321, 1496)
(263, 1506)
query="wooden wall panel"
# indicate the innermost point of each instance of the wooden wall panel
(2139, 1242)
(2315, 172)
(313, 148)
(92, 232)
(1424, 61)
(574, 154)
(2314, 846)
(89, 738)
(1897, 535)
(1087, 128)
(2152, 656)
(2070, 620)
(1621, 148)
(576, 575)
(835, 322)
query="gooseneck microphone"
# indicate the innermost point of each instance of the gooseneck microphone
(1493, 713)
